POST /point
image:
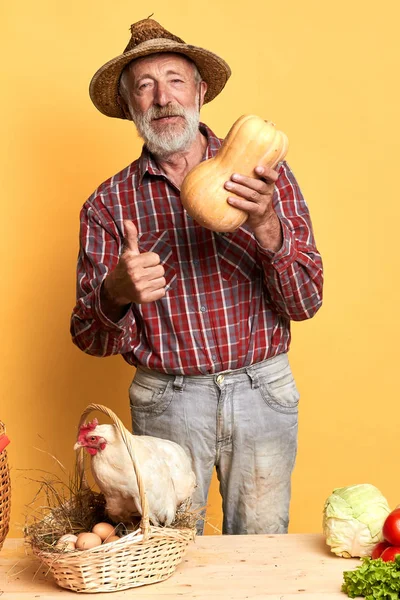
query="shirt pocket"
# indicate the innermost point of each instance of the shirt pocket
(237, 255)
(158, 242)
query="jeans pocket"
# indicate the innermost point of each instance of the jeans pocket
(158, 242)
(148, 396)
(280, 391)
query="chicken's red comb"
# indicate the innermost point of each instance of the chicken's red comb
(86, 428)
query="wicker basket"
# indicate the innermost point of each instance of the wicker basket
(5, 491)
(133, 560)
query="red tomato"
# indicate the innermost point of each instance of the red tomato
(379, 548)
(391, 528)
(390, 553)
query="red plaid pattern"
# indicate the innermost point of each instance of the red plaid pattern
(229, 302)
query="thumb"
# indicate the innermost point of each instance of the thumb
(131, 237)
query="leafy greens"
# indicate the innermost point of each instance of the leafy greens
(374, 579)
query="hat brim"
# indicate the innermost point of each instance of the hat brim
(103, 88)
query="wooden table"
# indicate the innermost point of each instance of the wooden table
(270, 567)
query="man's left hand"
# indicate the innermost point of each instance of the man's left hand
(256, 200)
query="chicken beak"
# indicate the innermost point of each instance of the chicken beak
(77, 445)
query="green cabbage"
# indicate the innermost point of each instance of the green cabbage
(353, 519)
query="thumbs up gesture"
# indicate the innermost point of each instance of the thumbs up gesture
(138, 277)
(131, 238)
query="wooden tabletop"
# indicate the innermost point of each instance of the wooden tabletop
(270, 567)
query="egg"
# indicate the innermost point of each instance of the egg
(65, 546)
(66, 542)
(68, 537)
(88, 540)
(112, 538)
(104, 530)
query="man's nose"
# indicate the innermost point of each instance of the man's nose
(161, 95)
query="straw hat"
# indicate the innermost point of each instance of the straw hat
(149, 37)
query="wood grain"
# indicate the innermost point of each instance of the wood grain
(274, 567)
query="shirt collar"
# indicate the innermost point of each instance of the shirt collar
(147, 164)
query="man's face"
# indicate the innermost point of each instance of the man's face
(164, 101)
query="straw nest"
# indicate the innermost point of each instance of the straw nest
(71, 509)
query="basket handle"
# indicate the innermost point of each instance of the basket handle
(144, 523)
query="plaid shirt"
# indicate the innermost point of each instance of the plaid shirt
(229, 302)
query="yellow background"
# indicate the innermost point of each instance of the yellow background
(325, 73)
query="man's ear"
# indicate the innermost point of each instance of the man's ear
(124, 107)
(202, 93)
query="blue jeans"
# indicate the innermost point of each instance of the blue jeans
(243, 422)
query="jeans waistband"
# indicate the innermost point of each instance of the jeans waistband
(272, 365)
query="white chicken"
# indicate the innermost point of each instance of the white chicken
(165, 468)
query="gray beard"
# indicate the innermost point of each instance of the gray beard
(174, 138)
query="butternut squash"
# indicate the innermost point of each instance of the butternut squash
(251, 141)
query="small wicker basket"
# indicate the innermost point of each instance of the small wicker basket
(133, 560)
(5, 491)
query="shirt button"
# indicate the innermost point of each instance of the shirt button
(220, 379)
(214, 357)
(203, 308)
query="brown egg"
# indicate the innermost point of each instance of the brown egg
(112, 538)
(86, 541)
(104, 530)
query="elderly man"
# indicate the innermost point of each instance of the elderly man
(204, 317)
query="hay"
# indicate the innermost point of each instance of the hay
(63, 508)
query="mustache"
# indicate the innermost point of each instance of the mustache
(159, 112)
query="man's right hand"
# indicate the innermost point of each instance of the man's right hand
(137, 277)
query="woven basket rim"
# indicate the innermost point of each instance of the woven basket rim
(155, 533)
